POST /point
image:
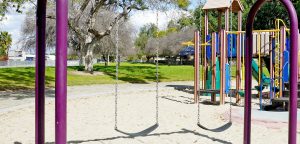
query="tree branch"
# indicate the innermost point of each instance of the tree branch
(126, 11)
(100, 35)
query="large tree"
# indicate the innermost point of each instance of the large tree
(103, 48)
(83, 19)
(84, 15)
(169, 44)
(84, 27)
(147, 32)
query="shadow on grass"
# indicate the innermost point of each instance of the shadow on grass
(23, 94)
(182, 131)
(19, 79)
(131, 74)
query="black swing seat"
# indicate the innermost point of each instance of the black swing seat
(260, 88)
(219, 129)
(209, 91)
(144, 132)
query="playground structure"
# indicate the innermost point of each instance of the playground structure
(222, 50)
(274, 47)
(214, 53)
(61, 67)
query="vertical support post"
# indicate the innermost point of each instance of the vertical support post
(264, 42)
(227, 19)
(196, 66)
(293, 70)
(220, 13)
(259, 58)
(40, 72)
(298, 57)
(61, 72)
(271, 65)
(255, 52)
(238, 57)
(282, 48)
(260, 72)
(225, 56)
(222, 66)
(205, 40)
(213, 64)
(243, 59)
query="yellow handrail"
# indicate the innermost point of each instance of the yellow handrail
(277, 25)
(256, 31)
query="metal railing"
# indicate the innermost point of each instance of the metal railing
(17, 63)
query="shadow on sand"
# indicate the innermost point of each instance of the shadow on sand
(219, 129)
(179, 99)
(182, 131)
(141, 133)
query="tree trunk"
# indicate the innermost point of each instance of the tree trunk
(168, 60)
(119, 60)
(89, 61)
(80, 55)
(180, 60)
(148, 59)
(105, 61)
(81, 59)
(108, 60)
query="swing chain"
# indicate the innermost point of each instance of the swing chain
(157, 74)
(198, 105)
(117, 73)
(198, 95)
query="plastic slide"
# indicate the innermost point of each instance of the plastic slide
(255, 73)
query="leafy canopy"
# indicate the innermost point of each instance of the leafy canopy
(5, 43)
(16, 5)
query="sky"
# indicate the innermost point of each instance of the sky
(13, 22)
(139, 19)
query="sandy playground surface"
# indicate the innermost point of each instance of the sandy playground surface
(91, 117)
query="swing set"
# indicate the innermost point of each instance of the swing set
(61, 71)
(154, 126)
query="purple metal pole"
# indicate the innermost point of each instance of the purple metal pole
(40, 72)
(61, 72)
(293, 74)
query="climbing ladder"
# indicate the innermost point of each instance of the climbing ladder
(277, 60)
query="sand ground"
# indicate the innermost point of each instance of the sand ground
(91, 117)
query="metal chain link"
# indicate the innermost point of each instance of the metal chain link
(157, 75)
(117, 73)
(198, 95)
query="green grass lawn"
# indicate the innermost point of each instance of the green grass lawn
(24, 78)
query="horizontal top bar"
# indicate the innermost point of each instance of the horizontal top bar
(256, 31)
